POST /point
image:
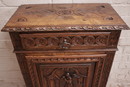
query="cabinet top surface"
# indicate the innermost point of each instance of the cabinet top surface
(62, 17)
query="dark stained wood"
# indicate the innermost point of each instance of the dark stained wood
(64, 60)
(24, 69)
(65, 45)
(80, 40)
(67, 41)
(62, 75)
(66, 51)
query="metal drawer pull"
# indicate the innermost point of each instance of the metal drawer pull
(65, 44)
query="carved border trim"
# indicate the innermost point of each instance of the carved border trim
(33, 60)
(67, 28)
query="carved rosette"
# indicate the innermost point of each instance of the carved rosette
(77, 40)
(29, 42)
(101, 40)
(89, 40)
(65, 42)
(53, 41)
(41, 41)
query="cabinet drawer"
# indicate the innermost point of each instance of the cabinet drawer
(52, 41)
(65, 71)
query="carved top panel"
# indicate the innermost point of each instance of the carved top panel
(62, 17)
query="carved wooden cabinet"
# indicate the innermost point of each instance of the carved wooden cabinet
(65, 45)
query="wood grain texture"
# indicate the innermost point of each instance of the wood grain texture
(64, 17)
(60, 55)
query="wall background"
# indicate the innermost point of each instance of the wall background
(10, 75)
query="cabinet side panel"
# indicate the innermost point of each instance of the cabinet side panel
(24, 69)
(21, 59)
(106, 69)
(114, 38)
(16, 40)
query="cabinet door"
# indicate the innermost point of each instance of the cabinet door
(65, 71)
(65, 75)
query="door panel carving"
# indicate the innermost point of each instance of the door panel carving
(61, 75)
(68, 71)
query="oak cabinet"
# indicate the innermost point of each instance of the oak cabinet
(65, 45)
(65, 71)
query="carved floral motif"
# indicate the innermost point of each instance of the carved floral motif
(89, 40)
(77, 40)
(40, 42)
(69, 41)
(53, 41)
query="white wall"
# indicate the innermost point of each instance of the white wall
(10, 75)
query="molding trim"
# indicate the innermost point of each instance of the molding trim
(66, 28)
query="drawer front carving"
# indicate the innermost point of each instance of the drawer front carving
(50, 41)
(67, 71)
